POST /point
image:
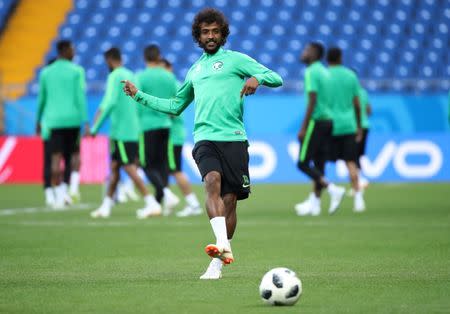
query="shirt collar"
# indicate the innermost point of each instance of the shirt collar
(218, 53)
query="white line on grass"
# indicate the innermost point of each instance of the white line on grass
(153, 221)
(28, 210)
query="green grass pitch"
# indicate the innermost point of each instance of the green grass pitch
(394, 258)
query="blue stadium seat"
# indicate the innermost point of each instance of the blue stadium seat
(382, 39)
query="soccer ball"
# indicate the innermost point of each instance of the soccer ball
(280, 286)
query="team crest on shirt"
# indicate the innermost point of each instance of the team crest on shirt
(217, 66)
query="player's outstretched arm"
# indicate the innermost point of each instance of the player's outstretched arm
(248, 67)
(175, 106)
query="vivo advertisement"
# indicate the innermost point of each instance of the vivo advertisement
(272, 159)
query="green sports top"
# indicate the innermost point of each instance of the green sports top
(160, 83)
(364, 101)
(316, 80)
(120, 108)
(343, 87)
(215, 82)
(62, 99)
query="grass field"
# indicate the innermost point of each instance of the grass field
(394, 258)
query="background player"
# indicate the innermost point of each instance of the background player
(346, 128)
(217, 83)
(176, 141)
(124, 134)
(155, 127)
(315, 132)
(62, 108)
(366, 112)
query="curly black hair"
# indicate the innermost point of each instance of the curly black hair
(209, 16)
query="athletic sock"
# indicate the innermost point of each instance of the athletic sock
(150, 201)
(141, 173)
(108, 202)
(217, 262)
(219, 227)
(49, 195)
(192, 200)
(74, 182)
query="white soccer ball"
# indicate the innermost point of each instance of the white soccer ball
(280, 286)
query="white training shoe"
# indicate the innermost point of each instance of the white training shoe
(148, 211)
(359, 204)
(303, 209)
(189, 211)
(101, 212)
(170, 200)
(214, 270)
(336, 195)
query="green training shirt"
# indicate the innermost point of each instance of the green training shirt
(45, 132)
(343, 87)
(364, 101)
(160, 83)
(177, 131)
(62, 99)
(215, 82)
(120, 107)
(316, 80)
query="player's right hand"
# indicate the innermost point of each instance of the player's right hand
(38, 129)
(301, 135)
(129, 88)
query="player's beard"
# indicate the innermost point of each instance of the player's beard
(214, 50)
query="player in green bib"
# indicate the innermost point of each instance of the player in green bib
(315, 133)
(155, 127)
(344, 91)
(176, 141)
(217, 82)
(124, 134)
(62, 108)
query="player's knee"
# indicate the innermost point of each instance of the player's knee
(212, 179)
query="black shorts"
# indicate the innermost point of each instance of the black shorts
(125, 153)
(175, 157)
(345, 147)
(230, 159)
(153, 149)
(362, 144)
(317, 141)
(65, 141)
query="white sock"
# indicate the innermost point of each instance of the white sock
(358, 194)
(332, 188)
(217, 262)
(150, 201)
(108, 202)
(192, 200)
(167, 192)
(49, 195)
(141, 173)
(74, 182)
(315, 200)
(219, 227)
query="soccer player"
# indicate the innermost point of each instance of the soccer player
(217, 82)
(176, 141)
(366, 111)
(62, 108)
(124, 134)
(344, 86)
(315, 132)
(155, 127)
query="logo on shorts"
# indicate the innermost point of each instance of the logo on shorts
(217, 66)
(246, 180)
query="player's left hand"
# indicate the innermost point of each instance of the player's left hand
(301, 135)
(87, 130)
(250, 87)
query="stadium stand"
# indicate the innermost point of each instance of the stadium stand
(394, 45)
